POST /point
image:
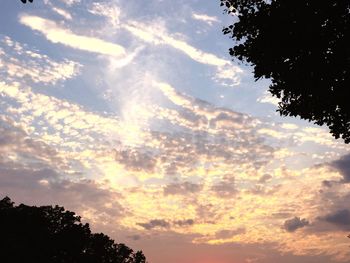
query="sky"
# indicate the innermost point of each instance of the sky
(133, 115)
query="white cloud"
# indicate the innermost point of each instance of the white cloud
(62, 13)
(228, 75)
(156, 35)
(268, 98)
(205, 18)
(18, 62)
(289, 126)
(115, 63)
(110, 11)
(70, 2)
(57, 34)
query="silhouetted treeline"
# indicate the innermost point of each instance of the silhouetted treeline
(48, 234)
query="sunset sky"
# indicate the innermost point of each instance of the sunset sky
(133, 115)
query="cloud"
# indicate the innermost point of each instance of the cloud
(188, 141)
(268, 98)
(155, 223)
(134, 237)
(108, 10)
(159, 36)
(64, 13)
(46, 186)
(225, 188)
(182, 188)
(156, 35)
(136, 160)
(175, 158)
(294, 224)
(58, 34)
(163, 224)
(184, 223)
(343, 166)
(265, 178)
(340, 218)
(333, 211)
(205, 18)
(18, 62)
(226, 234)
(228, 75)
(71, 2)
(14, 140)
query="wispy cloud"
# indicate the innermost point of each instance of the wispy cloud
(157, 35)
(205, 18)
(58, 34)
(64, 13)
(71, 2)
(268, 98)
(108, 10)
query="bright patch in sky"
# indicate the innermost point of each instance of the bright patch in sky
(135, 117)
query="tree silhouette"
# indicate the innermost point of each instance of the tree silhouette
(304, 48)
(25, 1)
(52, 234)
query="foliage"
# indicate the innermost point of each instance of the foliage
(52, 234)
(304, 48)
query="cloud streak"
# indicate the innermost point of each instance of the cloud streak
(205, 18)
(158, 36)
(58, 34)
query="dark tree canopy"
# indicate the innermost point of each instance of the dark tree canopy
(304, 48)
(25, 1)
(52, 234)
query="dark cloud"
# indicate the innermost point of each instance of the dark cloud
(134, 237)
(161, 223)
(295, 223)
(194, 118)
(13, 175)
(225, 234)
(225, 188)
(340, 218)
(262, 190)
(38, 176)
(136, 160)
(281, 215)
(186, 222)
(182, 188)
(327, 183)
(265, 178)
(209, 213)
(155, 223)
(46, 186)
(343, 166)
(334, 213)
(16, 140)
